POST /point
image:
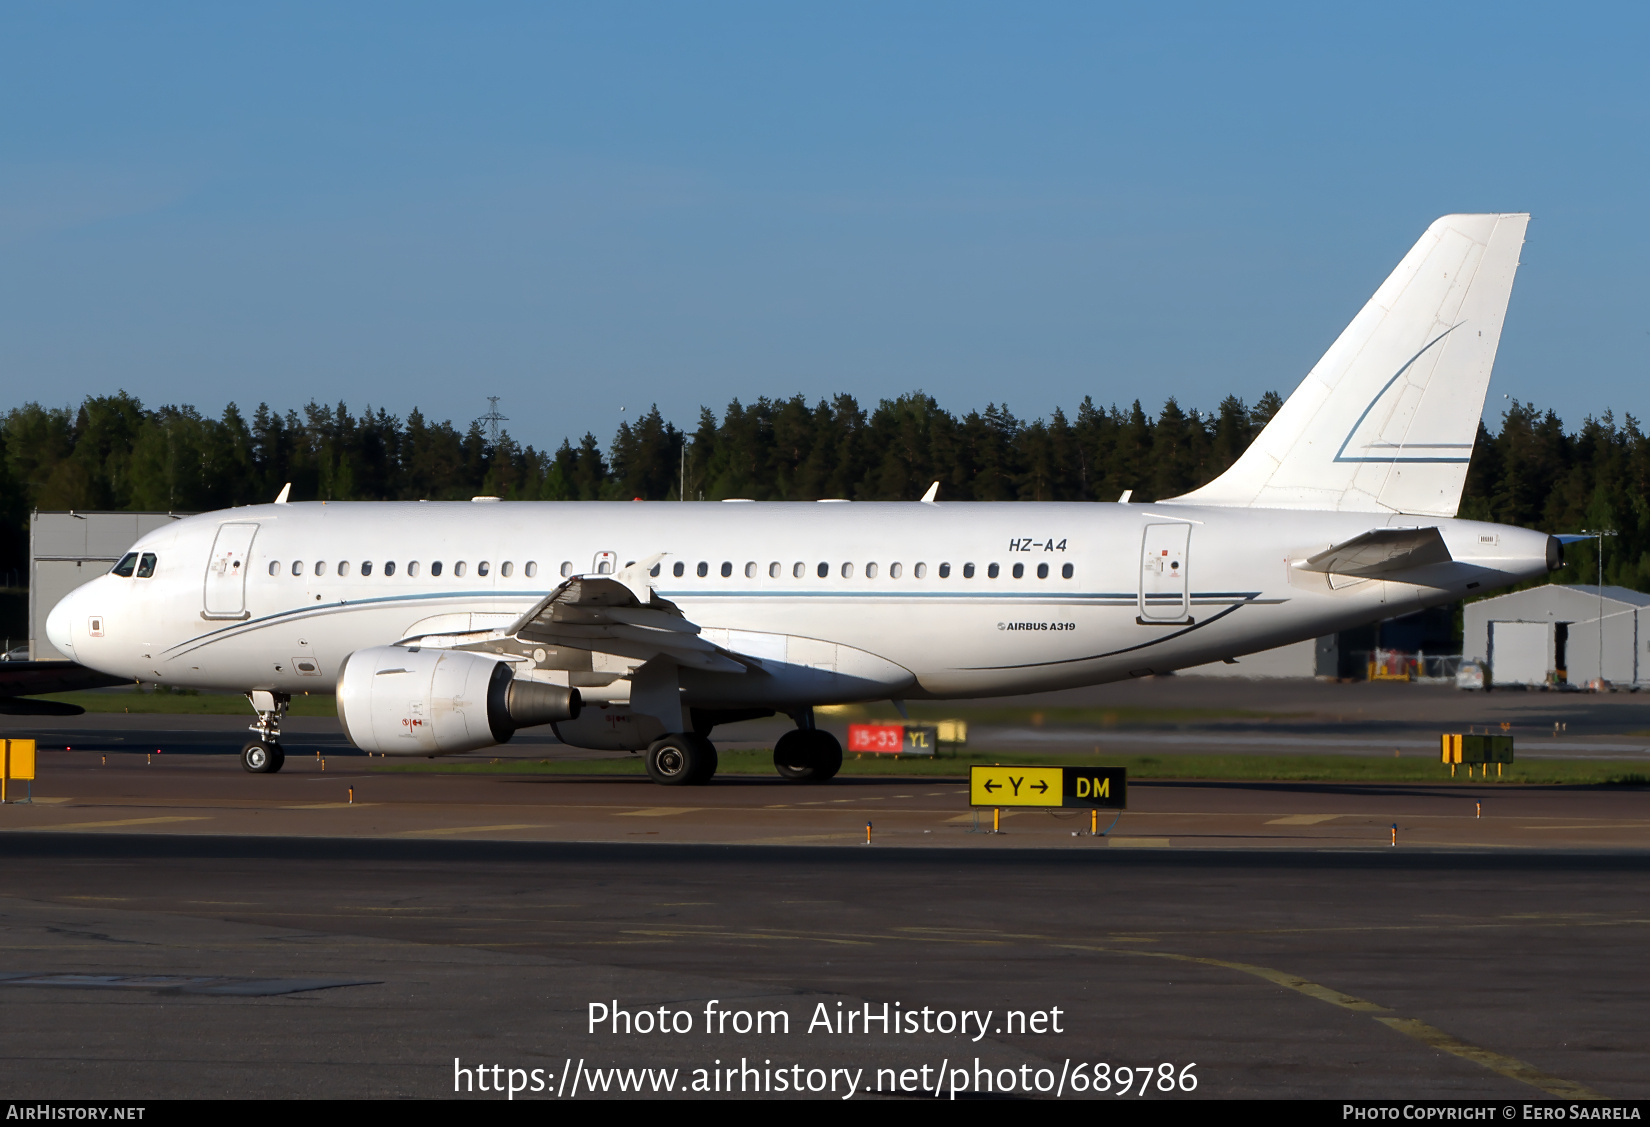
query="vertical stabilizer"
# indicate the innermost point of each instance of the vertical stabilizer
(1385, 422)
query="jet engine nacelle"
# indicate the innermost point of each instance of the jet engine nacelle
(401, 700)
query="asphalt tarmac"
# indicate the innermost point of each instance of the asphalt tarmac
(174, 927)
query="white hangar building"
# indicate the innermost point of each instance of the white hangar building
(1551, 634)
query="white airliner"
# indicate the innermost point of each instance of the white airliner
(445, 627)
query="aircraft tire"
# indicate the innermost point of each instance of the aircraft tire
(807, 757)
(261, 758)
(682, 759)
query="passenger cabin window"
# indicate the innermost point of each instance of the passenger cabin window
(567, 568)
(460, 568)
(678, 568)
(992, 571)
(1067, 572)
(799, 570)
(274, 567)
(773, 570)
(654, 570)
(945, 571)
(320, 567)
(146, 565)
(532, 568)
(412, 570)
(1019, 570)
(703, 569)
(506, 569)
(1042, 571)
(297, 567)
(483, 568)
(389, 568)
(750, 570)
(968, 571)
(921, 571)
(727, 569)
(870, 571)
(129, 561)
(435, 567)
(847, 571)
(343, 567)
(824, 570)
(893, 571)
(366, 567)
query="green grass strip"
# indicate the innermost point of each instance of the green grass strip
(183, 702)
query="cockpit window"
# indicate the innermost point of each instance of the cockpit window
(146, 565)
(125, 566)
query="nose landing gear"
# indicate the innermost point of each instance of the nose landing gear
(262, 758)
(263, 755)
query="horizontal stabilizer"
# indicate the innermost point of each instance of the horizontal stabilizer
(22, 678)
(1382, 551)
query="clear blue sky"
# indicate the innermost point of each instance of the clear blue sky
(584, 207)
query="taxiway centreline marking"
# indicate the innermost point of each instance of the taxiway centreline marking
(463, 830)
(117, 822)
(1510, 1067)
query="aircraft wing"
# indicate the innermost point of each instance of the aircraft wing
(603, 614)
(1382, 551)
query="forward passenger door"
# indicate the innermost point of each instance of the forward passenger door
(225, 593)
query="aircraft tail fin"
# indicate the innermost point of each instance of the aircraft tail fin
(1385, 422)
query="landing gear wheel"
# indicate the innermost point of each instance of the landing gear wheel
(807, 756)
(684, 759)
(262, 757)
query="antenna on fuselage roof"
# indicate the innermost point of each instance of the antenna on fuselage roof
(286, 491)
(930, 498)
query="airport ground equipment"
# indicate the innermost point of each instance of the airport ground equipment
(1475, 750)
(16, 766)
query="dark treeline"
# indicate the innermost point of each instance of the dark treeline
(114, 453)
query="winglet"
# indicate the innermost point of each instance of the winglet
(286, 491)
(635, 576)
(933, 492)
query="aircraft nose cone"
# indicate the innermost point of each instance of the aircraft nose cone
(57, 626)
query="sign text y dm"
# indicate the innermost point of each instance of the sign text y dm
(840, 1018)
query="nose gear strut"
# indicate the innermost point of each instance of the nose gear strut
(263, 755)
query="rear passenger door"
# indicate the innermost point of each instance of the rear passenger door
(1165, 591)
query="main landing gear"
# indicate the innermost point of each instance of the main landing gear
(683, 759)
(263, 755)
(807, 754)
(687, 759)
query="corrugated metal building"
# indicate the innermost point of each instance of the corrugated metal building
(1551, 635)
(68, 549)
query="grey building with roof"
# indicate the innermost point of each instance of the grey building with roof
(1555, 634)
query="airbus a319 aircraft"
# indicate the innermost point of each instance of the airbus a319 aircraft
(446, 627)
